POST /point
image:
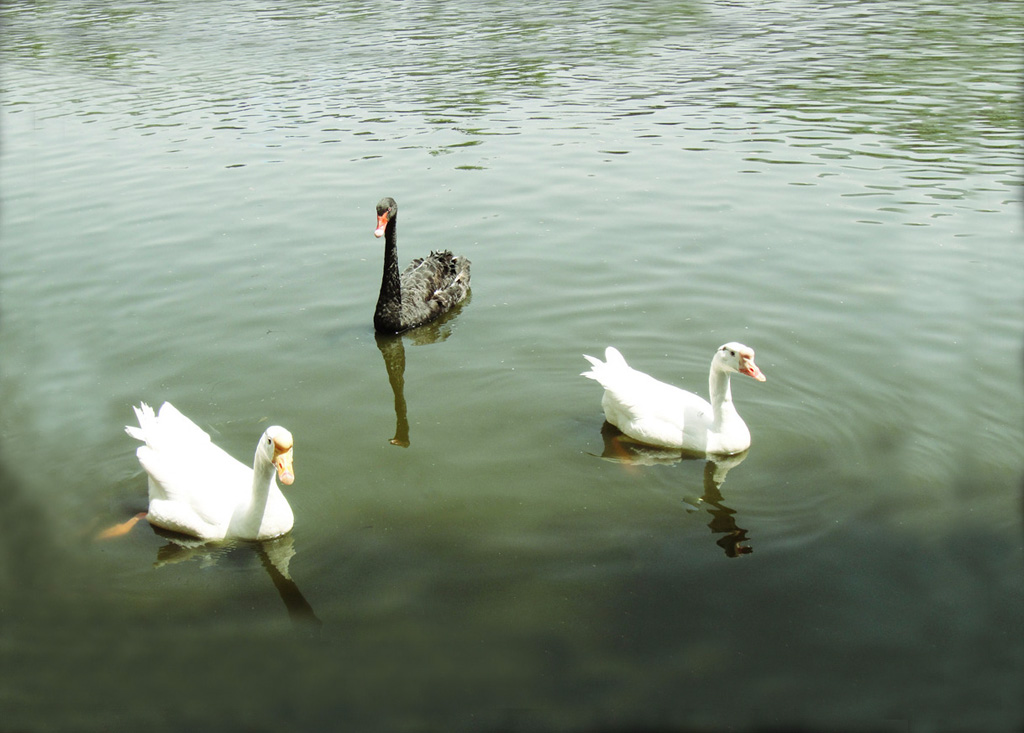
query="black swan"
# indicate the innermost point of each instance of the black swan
(428, 287)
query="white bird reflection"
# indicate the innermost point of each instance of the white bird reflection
(621, 449)
(275, 555)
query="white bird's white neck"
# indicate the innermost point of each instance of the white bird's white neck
(263, 472)
(728, 433)
(248, 520)
(720, 388)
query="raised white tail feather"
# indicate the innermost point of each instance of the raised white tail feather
(614, 361)
(144, 414)
(166, 424)
(614, 358)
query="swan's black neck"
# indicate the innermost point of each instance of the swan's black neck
(387, 316)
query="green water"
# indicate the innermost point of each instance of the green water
(187, 214)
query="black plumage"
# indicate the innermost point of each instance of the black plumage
(427, 288)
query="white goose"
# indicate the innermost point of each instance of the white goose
(656, 413)
(197, 489)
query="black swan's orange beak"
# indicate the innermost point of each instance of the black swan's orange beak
(382, 222)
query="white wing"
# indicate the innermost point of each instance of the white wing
(186, 467)
(646, 409)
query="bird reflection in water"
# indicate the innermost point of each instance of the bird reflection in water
(275, 555)
(620, 448)
(392, 348)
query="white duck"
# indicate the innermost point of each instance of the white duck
(197, 489)
(656, 413)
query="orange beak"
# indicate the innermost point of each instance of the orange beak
(283, 462)
(748, 367)
(382, 223)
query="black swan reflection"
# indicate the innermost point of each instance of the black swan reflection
(429, 287)
(392, 349)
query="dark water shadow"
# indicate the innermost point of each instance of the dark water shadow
(21, 573)
(275, 556)
(620, 448)
(392, 349)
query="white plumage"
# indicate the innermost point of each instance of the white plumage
(198, 489)
(659, 414)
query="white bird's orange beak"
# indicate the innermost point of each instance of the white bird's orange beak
(285, 472)
(748, 367)
(283, 460)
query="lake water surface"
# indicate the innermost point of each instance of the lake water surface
(187, 214)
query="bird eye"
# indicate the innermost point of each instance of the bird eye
(732, 353)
